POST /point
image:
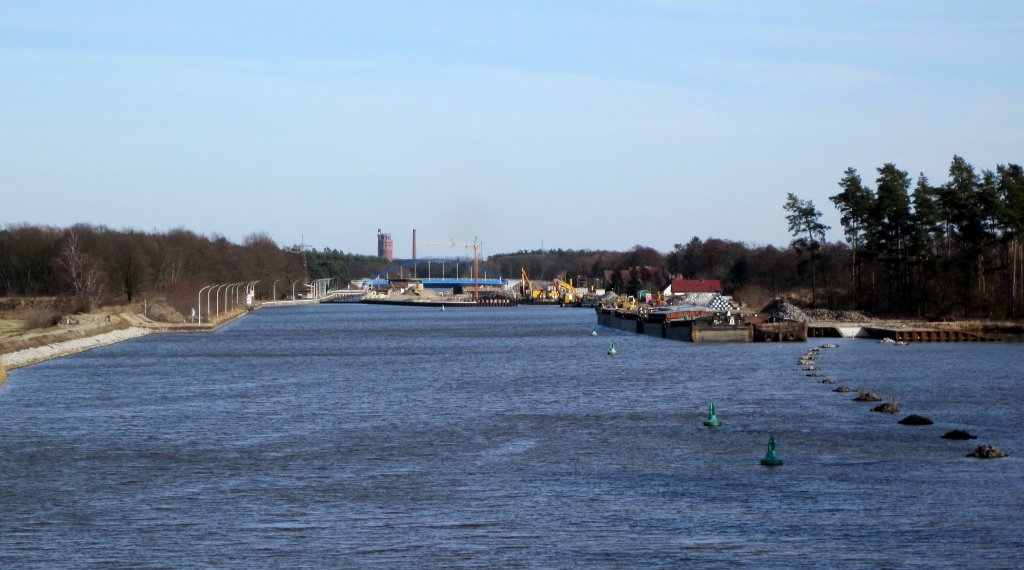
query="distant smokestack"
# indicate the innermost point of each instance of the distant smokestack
(414, 244)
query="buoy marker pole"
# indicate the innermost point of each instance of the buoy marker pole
(712, 420)
(770, 459)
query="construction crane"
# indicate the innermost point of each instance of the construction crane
(476, 259)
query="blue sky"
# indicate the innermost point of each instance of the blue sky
(594, 124)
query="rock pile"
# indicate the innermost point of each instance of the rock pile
(958, 434)
(807, 362)
(866, 396)
(916, 420)
(783, 310)
(986, 452)
(890, 407)
(841, 316)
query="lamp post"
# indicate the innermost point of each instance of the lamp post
(227, 291)
(216, 297)
(293, 288)
(233, 287)
(225, 287)
(273, 290)
(200, 303)
(208, 291)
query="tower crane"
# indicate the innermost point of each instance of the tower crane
(476, 259)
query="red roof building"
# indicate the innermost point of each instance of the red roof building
(680, 286)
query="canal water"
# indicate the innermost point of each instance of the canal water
(397, 437)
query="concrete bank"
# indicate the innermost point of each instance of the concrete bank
(39, 354)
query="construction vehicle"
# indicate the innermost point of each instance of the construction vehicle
(533, 294)
(525, 288)
(566, 292)
(626, 302)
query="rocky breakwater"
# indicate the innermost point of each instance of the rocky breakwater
(38, 354)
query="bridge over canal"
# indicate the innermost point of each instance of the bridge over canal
(438, 273)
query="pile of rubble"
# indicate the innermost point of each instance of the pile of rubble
(986, 452)
(841, 316)
(783, 310)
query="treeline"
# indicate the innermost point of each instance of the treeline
(341, 266)
(95, 265)
(754, 275)
(919, 249)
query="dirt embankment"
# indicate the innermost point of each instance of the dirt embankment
(34, 329)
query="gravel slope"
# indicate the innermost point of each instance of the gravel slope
(56, 350)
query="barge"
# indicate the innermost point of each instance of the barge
(699, 324)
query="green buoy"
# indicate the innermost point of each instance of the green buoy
(611, 350)
(712, 420)
(770, 458)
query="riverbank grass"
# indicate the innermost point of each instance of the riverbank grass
(10, 327)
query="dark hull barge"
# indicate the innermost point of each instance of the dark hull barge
(699, 325)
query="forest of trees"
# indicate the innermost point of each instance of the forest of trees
(935, 250)
(911, 249)
(94, 265)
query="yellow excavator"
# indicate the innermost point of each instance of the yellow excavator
(537, 295)
(566, 292)
(526, 287)
(628, 302)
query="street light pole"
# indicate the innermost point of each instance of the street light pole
(199, 302)
(227, 291)
(293, 288)
(208, 291)
(273, 290)
(216, 297)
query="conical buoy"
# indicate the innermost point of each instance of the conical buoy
(712, 420)
(442, 307)
(770, 458)
(593, 332)
(611, 350)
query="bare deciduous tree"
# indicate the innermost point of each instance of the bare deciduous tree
(83, 274)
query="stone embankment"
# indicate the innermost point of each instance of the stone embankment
(38, 354)
(788, 311)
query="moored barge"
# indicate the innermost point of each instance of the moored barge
(699, 324)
